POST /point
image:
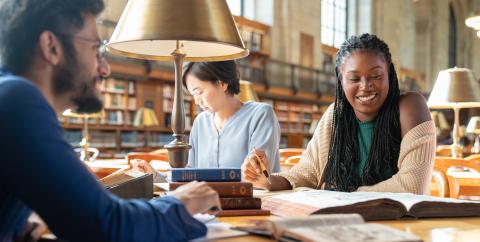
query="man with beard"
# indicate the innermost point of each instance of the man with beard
(49, 61)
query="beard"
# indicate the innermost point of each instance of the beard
(71, 78)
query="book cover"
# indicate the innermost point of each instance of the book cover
(371, 205)
(225, 189)
(205, 174)
(240, 203)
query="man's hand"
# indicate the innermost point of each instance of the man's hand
(197, 197)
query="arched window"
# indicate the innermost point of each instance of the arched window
(258, 10)
(334, 22)
(452, 38)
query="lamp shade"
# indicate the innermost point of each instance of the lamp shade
(473, 21)
(455, 87)
(473, 126)
(150, 29)
(247, 93)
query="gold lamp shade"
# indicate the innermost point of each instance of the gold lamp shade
(177, 30)
(247, 93)
(455, 87)
(150, 29)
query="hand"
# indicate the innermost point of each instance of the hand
(197, 197)
(32, 230)
(143, 166)
(252, 172)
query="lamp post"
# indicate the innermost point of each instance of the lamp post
(177, 30)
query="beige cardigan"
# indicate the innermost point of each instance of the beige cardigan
(415, 162)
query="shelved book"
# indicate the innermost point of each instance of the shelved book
(327, 228)
(205, 174)
(371, 205)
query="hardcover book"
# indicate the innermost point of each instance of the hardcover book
(327, 228)
(205, 174)
(240, 203)
(371, 205)
(129, 184)
(225, 189)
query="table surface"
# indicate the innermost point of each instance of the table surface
(430, 230)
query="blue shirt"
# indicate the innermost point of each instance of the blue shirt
(253, 126)
(41, 172)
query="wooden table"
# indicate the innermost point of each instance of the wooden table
(430, 230)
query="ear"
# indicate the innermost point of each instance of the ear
(223, 85)
(50, 48)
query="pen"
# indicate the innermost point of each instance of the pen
(262, 166)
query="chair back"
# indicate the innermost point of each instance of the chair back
(292, 160)
(158, 161)
(288, 152)
(441, 168)
(443, 151)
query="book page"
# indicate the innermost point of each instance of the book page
(354, 232)
(324, 199)
(317, 220)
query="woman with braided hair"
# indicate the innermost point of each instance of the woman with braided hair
(371, 139)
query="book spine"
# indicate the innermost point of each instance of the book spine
(225, 189)
(219, 175)
(240, 203)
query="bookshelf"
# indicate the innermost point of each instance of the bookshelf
(297, 120)
(117, 132)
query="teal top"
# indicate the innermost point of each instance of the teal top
(365, 133)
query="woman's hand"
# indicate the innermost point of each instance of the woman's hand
(197, 197)
(252, 171)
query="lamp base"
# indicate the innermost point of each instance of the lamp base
(457, 150)
(476, 145)
(178, 153)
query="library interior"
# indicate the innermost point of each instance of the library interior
(345, 120)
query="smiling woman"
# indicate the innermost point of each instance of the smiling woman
(372, 138)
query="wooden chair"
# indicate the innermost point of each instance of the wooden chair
(475, 157)
(288, 152)
(158, 161)
(292, 160)
(457, 185)
(443, 151)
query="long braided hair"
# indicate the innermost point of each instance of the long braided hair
(344, 153)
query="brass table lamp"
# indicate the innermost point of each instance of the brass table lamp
(247, 93)
(86, 152)
(473, 127)
(455, 88)
(177, 30)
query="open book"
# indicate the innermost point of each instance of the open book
(327, 228)
(371, 205)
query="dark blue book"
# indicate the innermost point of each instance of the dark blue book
(206, 174)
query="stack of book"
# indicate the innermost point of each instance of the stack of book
(236, 197)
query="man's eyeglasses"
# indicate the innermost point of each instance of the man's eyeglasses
(101, 44)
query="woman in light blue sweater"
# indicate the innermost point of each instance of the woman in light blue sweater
(227, 130)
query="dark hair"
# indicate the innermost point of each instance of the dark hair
(22, 22)
(224, 71)
(343, 156)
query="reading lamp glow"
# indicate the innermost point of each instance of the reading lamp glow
(177, 30)
(455, 88)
